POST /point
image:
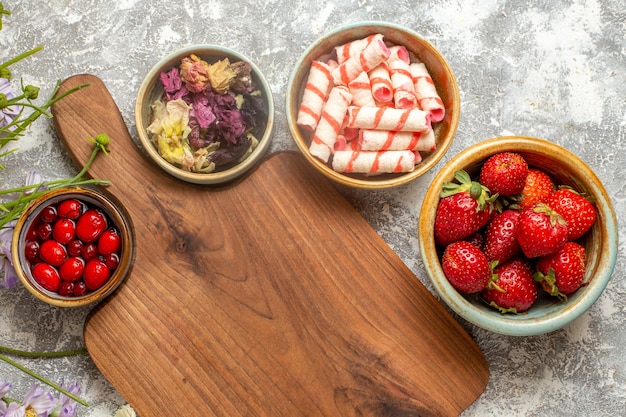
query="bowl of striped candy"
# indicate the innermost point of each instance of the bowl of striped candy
(372, 105)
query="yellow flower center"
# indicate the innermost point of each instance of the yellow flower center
(30, 412)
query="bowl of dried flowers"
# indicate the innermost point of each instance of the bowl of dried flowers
(205, 114)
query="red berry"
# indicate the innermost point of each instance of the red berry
(90, 225)
(72, 269)
(504, 173)
(47, 276)
(80, 289)
(466, 267)
(70, 209)
(63, 230)
(44, 231)
(31, 250)
(514, 290)
(541, 231)
(477, 239)
(538, 187)
(53, 252)
(109, 242)
(562, 273)
(48, 214)
(112, 261)
(66, 289)
(75, 247)
(579, 213)
(89, 251)
(33, 232)
(500, 242)
(96, 274)
(463, 209)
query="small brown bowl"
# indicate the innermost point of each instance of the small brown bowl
(600, 242)
(422, 50)
(151, 89)
(91, 198)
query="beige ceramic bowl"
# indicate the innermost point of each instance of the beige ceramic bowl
(423, 50)
(600, 242)
(151, 90)
(93, 198)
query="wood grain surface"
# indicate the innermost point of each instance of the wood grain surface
(270, 296)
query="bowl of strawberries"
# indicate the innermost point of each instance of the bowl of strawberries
(518, 235)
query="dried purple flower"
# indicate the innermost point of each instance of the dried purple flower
(253, 112)
(173, 84)
(231, 125)
(202, 111)
(231, 152)
(243, 77)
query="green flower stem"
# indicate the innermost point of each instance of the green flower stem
(13, 209)
(52, 185)
(43, 380)
(53, 354)
(20, 57)
(16, 102)
(23, 124)
(8, 400)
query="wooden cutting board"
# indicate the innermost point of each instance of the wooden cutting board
(268, 297)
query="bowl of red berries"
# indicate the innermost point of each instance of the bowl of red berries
(518, 235)
(72, 246)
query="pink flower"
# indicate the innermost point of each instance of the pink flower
(37, 402)
(173, 84)
(195, 73)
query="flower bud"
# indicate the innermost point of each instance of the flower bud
(103, 139)
(31, 92)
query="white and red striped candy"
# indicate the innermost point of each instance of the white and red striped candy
(389, 140)
(387, 118)
(427, 96)
(331, 122)
(365, 162)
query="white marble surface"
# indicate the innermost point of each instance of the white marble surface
(553, 69)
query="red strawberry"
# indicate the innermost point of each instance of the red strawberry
(562, 273)
(541, 231)
(514, 290)
(477, 239)
(578, 211)
(538, 187)
(466, 267)
(500, 241)
(504, 173)
(463, 209)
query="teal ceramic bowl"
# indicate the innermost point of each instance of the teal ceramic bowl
(438, 68)
(600, 242)
(151, 89)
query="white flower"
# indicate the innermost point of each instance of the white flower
(125, 411)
